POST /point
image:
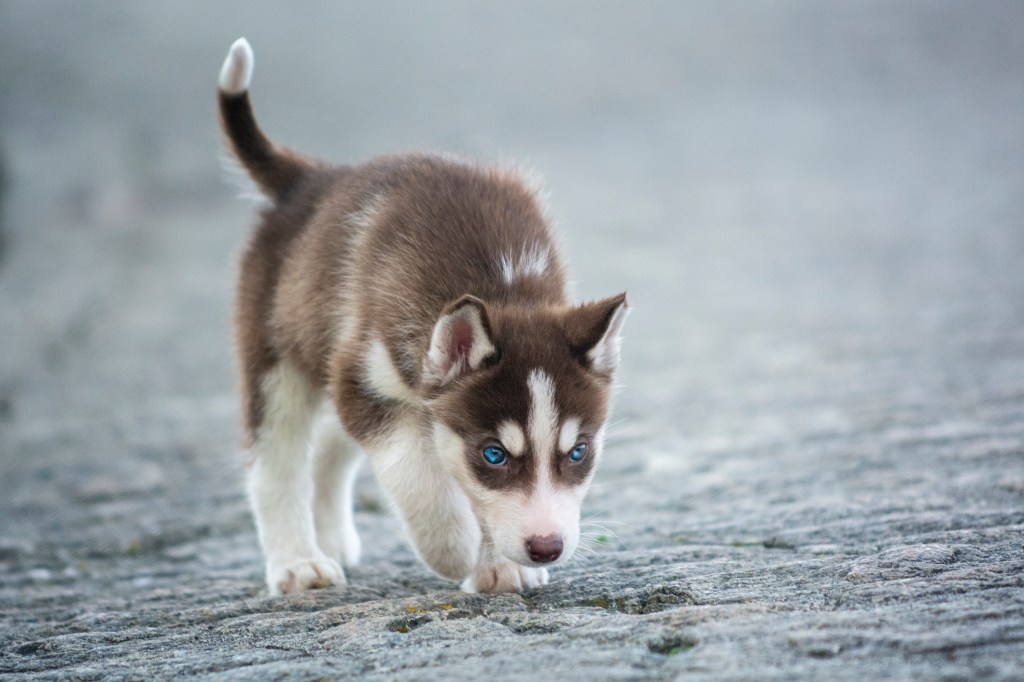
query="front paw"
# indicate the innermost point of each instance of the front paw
(504, 577)
(303, 574)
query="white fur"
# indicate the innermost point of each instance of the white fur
(568, 435)
(482, 346)
(508, 271)
(280, 485)
(604, 356)
(382, 376)
(437, 514)
(236, 73)
(367, 216)
(542, 422)
(512, 437)
(532, 261)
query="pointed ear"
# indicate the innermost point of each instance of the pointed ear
(593, 331)
(460, 343)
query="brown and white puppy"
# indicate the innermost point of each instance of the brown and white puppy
(422, 300)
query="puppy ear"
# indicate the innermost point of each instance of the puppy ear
(593, 331)
(461, 341)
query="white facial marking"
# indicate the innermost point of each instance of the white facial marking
(512, 437)
(532, 261)
(382, 376)
(236, 72)
(568, 435)
(543, 420)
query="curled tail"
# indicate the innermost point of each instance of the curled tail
(276, 170)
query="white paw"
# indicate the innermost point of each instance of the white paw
(303, 574)
(504, 577)
(341, 544)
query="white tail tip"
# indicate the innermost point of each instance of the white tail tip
(237, 70)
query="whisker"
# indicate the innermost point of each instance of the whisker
(576, 561)
(600, 531)
(611, 521)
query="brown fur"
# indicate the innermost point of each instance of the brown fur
(301, 259)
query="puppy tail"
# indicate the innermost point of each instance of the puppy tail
(274, 169)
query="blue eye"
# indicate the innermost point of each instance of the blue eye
(578, 453)
(495, 455)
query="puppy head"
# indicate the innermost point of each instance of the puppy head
(520, 398)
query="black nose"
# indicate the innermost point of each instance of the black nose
(544, 549)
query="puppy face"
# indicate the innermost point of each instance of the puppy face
(520, 424)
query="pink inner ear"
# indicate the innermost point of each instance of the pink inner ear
(460, 342)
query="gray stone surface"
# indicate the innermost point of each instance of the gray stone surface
(817, 466)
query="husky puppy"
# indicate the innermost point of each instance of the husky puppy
(413, 308)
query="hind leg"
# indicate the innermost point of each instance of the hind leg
(280, 485)
(336, 462)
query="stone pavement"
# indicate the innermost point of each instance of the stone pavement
(817, 464)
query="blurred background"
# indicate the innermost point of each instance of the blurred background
(816, 210)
